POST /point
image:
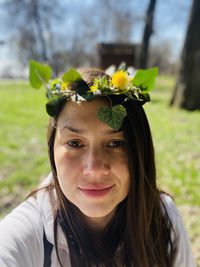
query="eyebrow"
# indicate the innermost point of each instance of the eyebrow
(82, 131)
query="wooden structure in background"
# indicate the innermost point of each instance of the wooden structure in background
(116, 53)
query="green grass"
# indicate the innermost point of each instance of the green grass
(176, 140)
(23, 152)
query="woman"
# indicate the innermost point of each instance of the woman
(101, 205)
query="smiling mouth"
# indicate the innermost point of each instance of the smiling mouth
(96, 192)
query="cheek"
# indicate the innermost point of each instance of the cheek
(121, 170)
(126, 181)
(65, 165)
(67, 172)
(126, 172)
(121, 163)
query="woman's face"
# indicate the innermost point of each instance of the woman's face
(91, 161)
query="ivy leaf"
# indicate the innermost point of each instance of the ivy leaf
(71, 76)
(39, 74)
(112, 116)
(55, 105)
(145, 79)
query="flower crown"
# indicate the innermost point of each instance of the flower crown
(72, 86)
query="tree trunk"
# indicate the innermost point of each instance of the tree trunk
(187, 90)
(37, 20)
(148, 30)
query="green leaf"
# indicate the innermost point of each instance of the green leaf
(112, 116)
(71, 76)
(145, 79)
(55, 105)
(39, 74)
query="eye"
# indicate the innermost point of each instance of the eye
(74, 144)
(116, 144)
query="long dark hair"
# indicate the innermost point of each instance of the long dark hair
(139, 234)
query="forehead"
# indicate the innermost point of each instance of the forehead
(83, 115)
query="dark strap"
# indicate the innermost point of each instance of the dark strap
(47, 251)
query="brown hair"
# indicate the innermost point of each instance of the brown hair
(141, 226)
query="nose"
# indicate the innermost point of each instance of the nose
(96, 163)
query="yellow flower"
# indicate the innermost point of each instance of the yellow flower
(93, 88)
(120, 79)
(64, 86)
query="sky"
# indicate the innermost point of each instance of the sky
(171, 19)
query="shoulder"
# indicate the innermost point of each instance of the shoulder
(168, 205)
(184, 257)
(169, 208)
(21, 236)
(21, 231)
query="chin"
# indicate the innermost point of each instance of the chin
(96, 212)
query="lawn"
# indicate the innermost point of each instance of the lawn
(177, 144)
(23, 151)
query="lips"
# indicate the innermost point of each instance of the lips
(96, 192)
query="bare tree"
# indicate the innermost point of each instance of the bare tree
(148, 31)
(116, 20)
(30, 21)
(66, 33)
(160, 55)
(187, 90)
(112, 24)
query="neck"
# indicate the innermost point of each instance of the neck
(99, 223)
